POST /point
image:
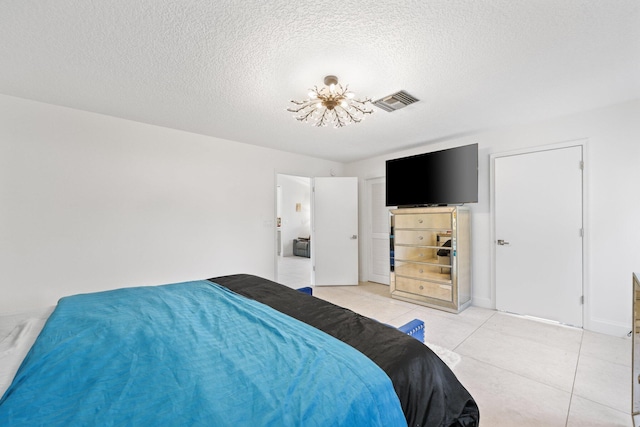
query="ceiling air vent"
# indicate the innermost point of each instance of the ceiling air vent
(395, 102)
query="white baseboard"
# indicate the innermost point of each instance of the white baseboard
(483, 303)
(601, 326)
(607, 327)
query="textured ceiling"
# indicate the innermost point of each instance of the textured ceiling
(228, 68)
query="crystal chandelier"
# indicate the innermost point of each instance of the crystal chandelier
(332, 104)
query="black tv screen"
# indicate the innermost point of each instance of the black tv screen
(446, 177)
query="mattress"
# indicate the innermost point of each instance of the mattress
(191, 354)
(18, 332)
(427, 391)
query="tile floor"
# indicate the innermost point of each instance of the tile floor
(294, 271)
(521, 372)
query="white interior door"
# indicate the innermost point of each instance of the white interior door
(377, 233)
(334, 242)
(538, 234)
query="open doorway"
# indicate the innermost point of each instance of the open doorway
(293, 211)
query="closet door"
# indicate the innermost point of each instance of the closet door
(538, 232)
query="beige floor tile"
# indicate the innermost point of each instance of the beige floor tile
(472, 315)
(604, 382)
(442, 331)
(606, 347)
(476, 315)
(550, 334)
(520, 371)
(585, 413)
(506, 399)
(374, 288)
(370, 305)
(336, 294)
(546, 364)
(382, 311)
(294, 271)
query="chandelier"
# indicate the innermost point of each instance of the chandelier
(331, 104)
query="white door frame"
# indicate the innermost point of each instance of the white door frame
(586, 315)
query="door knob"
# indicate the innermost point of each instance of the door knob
(502, 242)
(354, 237)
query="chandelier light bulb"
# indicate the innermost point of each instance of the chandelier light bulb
(331, 104)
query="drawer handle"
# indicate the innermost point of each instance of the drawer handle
(420, 255)
(421, 271)
(419, 221)
(420, 237)
(421, 287)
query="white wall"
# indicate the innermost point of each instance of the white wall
(613, 211)
(90, 202)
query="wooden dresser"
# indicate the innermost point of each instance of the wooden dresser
(431, 257)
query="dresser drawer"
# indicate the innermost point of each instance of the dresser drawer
(416, 253)
(416, 237)
(423, 271)
(427, 289)
(440, 221)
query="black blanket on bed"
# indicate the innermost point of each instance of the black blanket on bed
(429, 392)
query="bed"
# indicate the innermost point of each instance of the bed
(235, 350)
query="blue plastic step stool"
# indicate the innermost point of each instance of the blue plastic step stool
(307, 290)
(415, 328)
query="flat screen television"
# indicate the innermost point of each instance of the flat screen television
(446, 177)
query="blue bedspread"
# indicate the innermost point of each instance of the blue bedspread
(191, 354)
